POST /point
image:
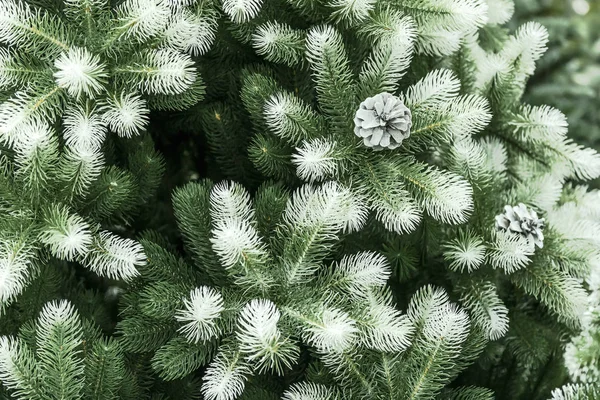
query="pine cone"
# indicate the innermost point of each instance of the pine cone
(519, 219)
(383, 121)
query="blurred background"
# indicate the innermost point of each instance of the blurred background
(568, 76)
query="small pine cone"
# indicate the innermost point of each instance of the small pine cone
(383, 121)
(519, 219)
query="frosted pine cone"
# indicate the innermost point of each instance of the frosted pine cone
(383, 121)
(519, 219)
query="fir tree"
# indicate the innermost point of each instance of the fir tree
(568, 74)
(471, 136)
(72, 71)
(396, 222)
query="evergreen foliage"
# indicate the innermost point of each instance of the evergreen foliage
(568, 77)
(71, 72)
(461, 262)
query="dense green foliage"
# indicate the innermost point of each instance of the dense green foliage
(568, 76)
(242, 241)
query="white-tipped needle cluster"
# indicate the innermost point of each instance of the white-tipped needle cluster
(79, 72)
(200, 314)
(126, 114)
